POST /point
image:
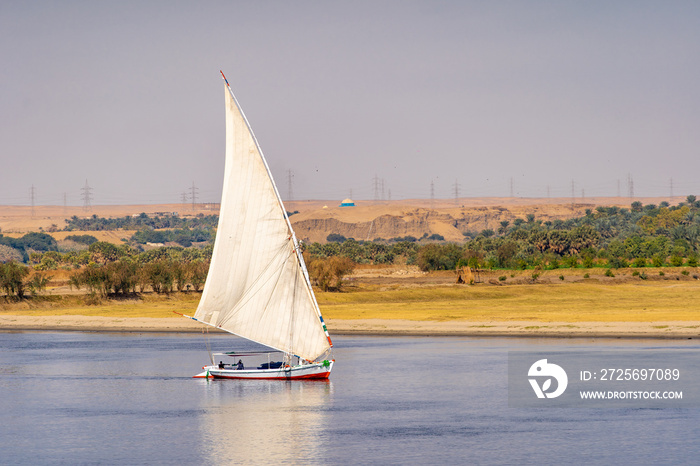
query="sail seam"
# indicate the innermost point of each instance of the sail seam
(248, 294)
(267, 304)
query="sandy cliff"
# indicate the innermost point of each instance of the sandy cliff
(367, 222)
(315, 220)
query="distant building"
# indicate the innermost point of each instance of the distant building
(347, 203)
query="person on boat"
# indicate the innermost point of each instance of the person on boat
(240, 365)
(221, 364)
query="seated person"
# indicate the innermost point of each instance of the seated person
(240, 365)
(221, 364)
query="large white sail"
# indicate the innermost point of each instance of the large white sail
(257, 286)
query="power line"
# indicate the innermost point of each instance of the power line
(456, 188)
(32, 195)
(193, 195)
(290, 188)
(630, 186)
(573, 195)
(87, 196)
(671, 188)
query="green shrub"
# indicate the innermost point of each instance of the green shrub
(571, 262)
(436, 256)
(82, 239)
(617, 262)
(328, 273)
(12, 278)
(639, 262)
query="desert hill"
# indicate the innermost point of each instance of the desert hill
(368, 220)
(315, 220)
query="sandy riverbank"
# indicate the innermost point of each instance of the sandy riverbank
(674, 329)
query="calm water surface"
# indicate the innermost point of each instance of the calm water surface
(77, 398)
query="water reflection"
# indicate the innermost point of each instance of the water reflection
(259, 421)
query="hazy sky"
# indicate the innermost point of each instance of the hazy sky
(128, 96)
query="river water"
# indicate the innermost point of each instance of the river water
(89, 398)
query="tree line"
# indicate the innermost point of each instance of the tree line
(37, 244)
(111, 270)
(611, 237)
(125, 276)
(639, 236)
(34, 241)
(143, 220)
(185, 237)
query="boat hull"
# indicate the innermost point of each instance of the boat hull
(316, 371)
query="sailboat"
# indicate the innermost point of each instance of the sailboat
(258, 286)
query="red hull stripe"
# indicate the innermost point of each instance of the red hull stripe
(322, 375)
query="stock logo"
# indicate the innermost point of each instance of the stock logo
(542, 370)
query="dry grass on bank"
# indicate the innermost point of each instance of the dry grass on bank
(565, 302)
(144, 305)
(586, 301)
